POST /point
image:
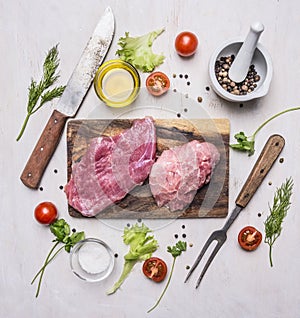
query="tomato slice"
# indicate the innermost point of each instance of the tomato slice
(157, 83)
(155, 268)
(249, 238)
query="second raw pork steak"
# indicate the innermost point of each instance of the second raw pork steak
(179, 172)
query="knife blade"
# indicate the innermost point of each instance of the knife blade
(71, 99)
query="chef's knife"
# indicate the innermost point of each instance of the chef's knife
(71, 99)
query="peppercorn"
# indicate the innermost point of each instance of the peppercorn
(222, 67)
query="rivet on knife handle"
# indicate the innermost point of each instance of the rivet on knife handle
(262, 166)
(44, 149)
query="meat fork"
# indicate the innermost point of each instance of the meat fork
(265, 161)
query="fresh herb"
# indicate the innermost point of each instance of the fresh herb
(175, 251)
(61, 230)
(247, 144)
(141, 247)
(40, 92)
(281, 204)
(138, 51)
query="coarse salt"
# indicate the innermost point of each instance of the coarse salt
(93, 258)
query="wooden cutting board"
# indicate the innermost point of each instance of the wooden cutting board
(210, 201)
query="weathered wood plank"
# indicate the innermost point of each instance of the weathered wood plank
(210, 201)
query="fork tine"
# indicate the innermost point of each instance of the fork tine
(198, 259)
(210, 259)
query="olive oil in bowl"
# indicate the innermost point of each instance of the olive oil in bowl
(117, 83)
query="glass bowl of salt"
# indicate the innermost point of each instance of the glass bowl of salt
(91, 260)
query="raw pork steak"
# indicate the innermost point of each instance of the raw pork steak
(112, 167)
(180, 172)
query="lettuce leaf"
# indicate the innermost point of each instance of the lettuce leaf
(141, 247)
(138, 51)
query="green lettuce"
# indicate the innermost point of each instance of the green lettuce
(141, 247)
(138, 51)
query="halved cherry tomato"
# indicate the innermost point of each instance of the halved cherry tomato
(249, 238)
(186, 43)
(155, 268)
(157, 83)
(45, 213)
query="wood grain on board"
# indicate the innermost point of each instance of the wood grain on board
(210, 201)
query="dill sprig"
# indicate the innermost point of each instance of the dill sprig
(281, 204)
(39, 92)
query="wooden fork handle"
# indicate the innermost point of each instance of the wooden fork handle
(264, 163)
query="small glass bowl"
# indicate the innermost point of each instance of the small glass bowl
(92, 260)
(117, 83)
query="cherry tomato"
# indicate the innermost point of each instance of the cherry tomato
(157, 83)
(186, 43)
(249, 238)
(155, 268)
(45, 213)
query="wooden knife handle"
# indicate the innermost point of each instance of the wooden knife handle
(44, 149)
(265, 161)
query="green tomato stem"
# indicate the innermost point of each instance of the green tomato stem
(271, 118)
(166, 287)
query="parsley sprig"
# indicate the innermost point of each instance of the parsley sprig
(247, 143)
(61, 230)
(40, 92)
(175, 251)
(281, 204)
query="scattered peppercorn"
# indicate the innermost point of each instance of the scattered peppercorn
(222, 67)
(199, 99)
(281, 160)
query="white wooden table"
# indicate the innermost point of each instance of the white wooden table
(238, 284)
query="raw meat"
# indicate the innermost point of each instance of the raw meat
(112, 167)
(179, 172)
